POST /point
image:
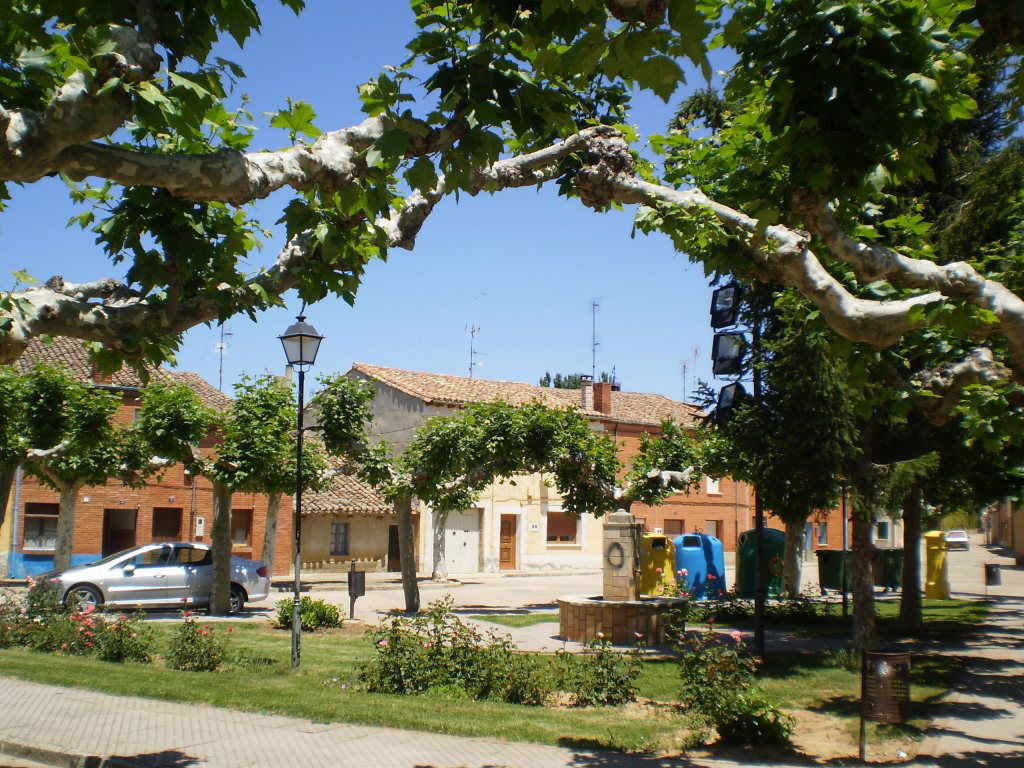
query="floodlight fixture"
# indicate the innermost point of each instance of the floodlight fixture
(727, 353)
(725, 305)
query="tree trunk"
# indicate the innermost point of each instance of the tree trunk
(440, 568)
(220, 540)
(270, 531)
(407, 547)
(863, 584)
(910, 619)
(794, 556)
(65, 527)
(7, 472)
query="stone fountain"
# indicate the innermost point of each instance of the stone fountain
(620, 613)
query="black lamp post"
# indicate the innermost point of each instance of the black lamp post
(300, 342)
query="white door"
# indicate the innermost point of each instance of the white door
(462, 541)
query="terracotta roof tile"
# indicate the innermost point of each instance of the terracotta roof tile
(443, 389)
(73, 356)
(347, 495)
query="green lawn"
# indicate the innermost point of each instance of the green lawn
(517, 619)
(257, 679)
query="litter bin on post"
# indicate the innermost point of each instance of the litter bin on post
(657, 565)
(884, 691)
(936, 569)
(702, 558)
(774, 554)
(993, 576)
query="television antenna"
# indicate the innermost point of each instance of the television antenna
(221, 348)
(474, 353)
(595, 307)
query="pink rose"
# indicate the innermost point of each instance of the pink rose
(600, 635)
(638, 635)
(63, 646)
(737, 636)
(657, 570)
(88, 644)
(230, 630)
(204, 631)
(383, 643)
(426, 645)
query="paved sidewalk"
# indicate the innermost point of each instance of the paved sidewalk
(104, 730)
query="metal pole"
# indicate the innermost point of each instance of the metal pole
(760, 582)
(297, 593)
(842, 561)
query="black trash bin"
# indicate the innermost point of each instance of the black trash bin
(993, 576)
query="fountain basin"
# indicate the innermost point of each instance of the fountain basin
(581, 617)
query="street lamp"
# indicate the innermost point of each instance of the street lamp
(727, 353)
(725, 306)
(729, 397)
(301, 343)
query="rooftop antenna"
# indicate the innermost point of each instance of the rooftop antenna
(221, 347)
(683, 366)
(595, 306)
(473, 330)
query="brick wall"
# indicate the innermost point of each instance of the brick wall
(729, 508)
(170, 490)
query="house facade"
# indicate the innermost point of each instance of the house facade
(172, 507)
(519, 523)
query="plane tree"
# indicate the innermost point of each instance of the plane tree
(129, 102)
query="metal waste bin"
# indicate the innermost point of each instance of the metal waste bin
(774, 554)
(884, 690)
(888, 568)
(993, 576)
(830, 568)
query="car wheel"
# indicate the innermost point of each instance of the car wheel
(236, 602)
(84, 596)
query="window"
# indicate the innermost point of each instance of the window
(675, 527)
(166, 524)
(561, 528)
(714, 487)
(882, 530)
(241, 527)
(822, 534)
(339, 538)
(193, 556)
(711, 527)
(136, 414)
(40, 530)
(151, 558)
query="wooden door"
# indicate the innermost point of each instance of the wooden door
(507, 548)
(394, 551)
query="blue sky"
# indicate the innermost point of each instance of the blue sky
(523, 265)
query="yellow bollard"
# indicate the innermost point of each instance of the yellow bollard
(937, 573)
(657, 565)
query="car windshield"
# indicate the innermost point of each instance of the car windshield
(115, 556)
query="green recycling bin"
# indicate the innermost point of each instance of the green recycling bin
(888, 568)
(774, 554)
(830, 569)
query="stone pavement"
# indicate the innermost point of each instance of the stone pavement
(75, 729)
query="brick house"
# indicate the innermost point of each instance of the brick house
(111, 517)
(520, 525)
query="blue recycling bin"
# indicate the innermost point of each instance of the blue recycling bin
(703, 559)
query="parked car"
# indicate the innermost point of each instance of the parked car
(957, 540)
(160, 575)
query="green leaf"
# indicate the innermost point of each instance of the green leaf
(660, 74)
(422, 175)
(297, 120)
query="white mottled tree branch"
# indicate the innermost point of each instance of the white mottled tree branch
(944, 386)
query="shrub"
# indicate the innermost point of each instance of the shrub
(124, 639)
(435, 653)
(43, 599)
(751, 719)
(601, 676)
(716, 679)
(314, 614)
(194, 647)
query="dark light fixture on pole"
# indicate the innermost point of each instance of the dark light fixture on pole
(301, 343)
(725, 306)
(727, 351)
(729, 397)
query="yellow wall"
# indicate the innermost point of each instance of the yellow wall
(6, 535)
(367, 541)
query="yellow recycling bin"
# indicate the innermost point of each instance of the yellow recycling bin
(937, 583)
(657, 564)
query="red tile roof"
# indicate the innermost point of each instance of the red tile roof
(347, 494)
(443, 389)
(73, 356)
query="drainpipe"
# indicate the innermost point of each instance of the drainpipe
(15, 509)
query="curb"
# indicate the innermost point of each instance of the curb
(54, 757)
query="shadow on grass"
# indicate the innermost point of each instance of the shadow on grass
(167, 759)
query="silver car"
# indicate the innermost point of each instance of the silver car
(160, 575)
(957, 539)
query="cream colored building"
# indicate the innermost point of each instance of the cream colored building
(516, 524)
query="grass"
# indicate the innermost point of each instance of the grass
(257, 679)
(517, 619)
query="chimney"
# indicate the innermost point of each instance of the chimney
(99, 377)
(603, 397)
(587, 392)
